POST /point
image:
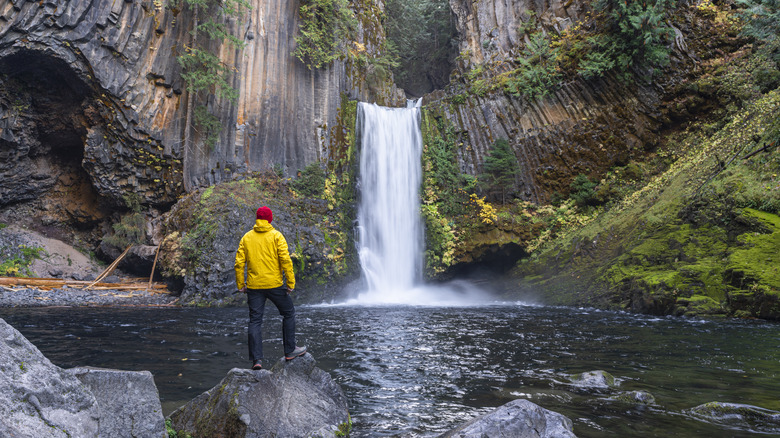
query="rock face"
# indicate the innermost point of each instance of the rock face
(293, 399)
(128, 401)
(115, 64)
(584, 127)
(516, 419)
(39, 398)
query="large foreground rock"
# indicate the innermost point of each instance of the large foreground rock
(516, 419)
(294, 399)
(40, 399)
(128, 401)
(37, 398)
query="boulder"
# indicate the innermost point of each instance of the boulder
(293, 399)
(593, 380)
(516, 419)
(739, 416)
(37, 398)
(128, 401)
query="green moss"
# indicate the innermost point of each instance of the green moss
(700, 238)
(759, 259)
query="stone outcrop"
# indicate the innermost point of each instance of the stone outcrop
(39, 398)
(293, 399)
(128, 401)
(516, 419)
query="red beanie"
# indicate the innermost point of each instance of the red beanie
(265, 214)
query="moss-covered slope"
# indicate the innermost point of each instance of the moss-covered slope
(702, 238)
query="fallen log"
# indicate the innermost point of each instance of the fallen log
(54, 283)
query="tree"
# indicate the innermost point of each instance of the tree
(501, 170)
(423, 33)
(204, 71)
(324, 25)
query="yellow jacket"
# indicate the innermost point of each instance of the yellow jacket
(264, 252)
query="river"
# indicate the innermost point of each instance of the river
(420, 371)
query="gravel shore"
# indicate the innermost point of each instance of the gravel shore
(74, 297)
(62, 261)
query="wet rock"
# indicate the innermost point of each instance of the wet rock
(594, 379)
(634, 397)
(293, 399)
(37, 398)
(739, 416)
(128, 401)
(516, 419)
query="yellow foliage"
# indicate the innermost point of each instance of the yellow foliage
(486, 212)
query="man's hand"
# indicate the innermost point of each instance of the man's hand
(289, 291)
(242, 290)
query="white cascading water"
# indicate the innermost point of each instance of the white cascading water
(391, 238)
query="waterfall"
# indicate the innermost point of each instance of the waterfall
(390, 228)
(391, 237)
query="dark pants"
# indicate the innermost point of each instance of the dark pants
(281, 299)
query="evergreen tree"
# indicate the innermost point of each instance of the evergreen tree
(501, 170)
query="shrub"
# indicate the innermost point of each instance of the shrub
(310, 181)
(538, 71)
(583, 191)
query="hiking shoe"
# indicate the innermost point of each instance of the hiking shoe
(299, 351)
(257, 365)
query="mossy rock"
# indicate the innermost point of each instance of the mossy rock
(593, 380)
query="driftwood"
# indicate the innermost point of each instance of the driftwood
(55, 283)
(154, 265)
(110, 267)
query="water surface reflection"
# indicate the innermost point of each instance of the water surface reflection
(420, 371)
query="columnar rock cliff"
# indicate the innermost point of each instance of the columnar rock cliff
(99, 82)
(585, 127)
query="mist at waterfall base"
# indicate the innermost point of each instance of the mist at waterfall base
(390, 228)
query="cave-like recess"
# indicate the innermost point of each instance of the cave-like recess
(47, 109)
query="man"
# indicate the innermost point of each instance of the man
(264, 252)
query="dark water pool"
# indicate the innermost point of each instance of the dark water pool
(420, 371)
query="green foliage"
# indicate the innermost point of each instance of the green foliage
(583, 191)
(444, 184)
(16, 261)
(208, 124)
(424, 34)
(311, 181)
(202, 69)
(500, 170)
(538, 72)
(636, 35)
(130, 229)
(599, 59)
(324, 25)
(172, 433)
(762, 19)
